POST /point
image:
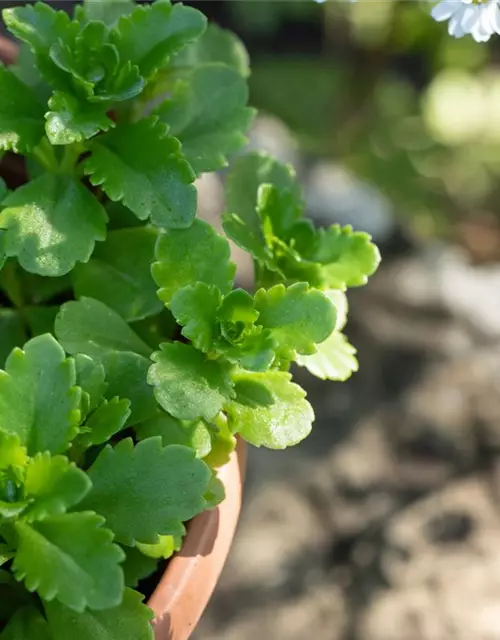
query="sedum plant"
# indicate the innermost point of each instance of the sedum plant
(130, 359)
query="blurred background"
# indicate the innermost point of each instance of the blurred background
(385, 523)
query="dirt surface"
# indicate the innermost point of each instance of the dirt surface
(385, 524)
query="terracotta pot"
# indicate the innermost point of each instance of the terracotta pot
(192, 574)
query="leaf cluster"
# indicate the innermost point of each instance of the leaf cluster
(132, 360)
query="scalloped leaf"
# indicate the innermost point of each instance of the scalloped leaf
(70, 120)
(284, 423)
(335, 359)
(208, 113)
(151, 35)
(140, 165)
(38, 398)
(112, 277)
(194, 435)
(130, 620)
(90, 327)
(21, 115)
(215, 45)
(53, 484)
(349, 257)
(164, 486)
(72, 558)
(90, 377)
(187, 384)
(109, 418)
(187, 256)
(12, 452)
(195, 308)
(51, 223)
(245, 177)
(298, 317)
(107, 12)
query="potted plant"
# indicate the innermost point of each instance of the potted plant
(131, 363)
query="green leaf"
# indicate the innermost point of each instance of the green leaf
(90, 327)
(279, 209)
(13, 332)
(248, 238)
(40, 319)
(52, 222)
(38, 398)
(126, 374)
(130, 620)
(150, 35)
(253, 393)
(349, 256)
(109, 418)
(187, 256)
(142, 166)
(90, 377)
(70, 557)
(12, 453)
(107, 12)
(195, 308)
(215, 45)
(244, 179)
(71, 120)
(282, 424)
(21, 115)
(298, 317)
(334, 360)
(216, 492)
(137, 566)
(26, 624)
(13, 596)
(164, 548)
(164, 487)
(119, 274)
(194, 435)
(40, 26)
(208, 113)
(53, 484)
(188, 385)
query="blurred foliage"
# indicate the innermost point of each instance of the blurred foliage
(383, 89)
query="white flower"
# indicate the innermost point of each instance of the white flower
(479, 18)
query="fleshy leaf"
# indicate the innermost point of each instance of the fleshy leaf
(38, 399)
(298, 317)
(150, 35)
(142, 166)
(208, 114)
(130, 620)
(349, 256)
(26, 624)
(40, 26)
(126, 374)
(12, 453)
(72, 558)
(283, 423)
(109, 418)
(90, 377)
(107, 12)
(187, 384)
(215, 45)
(195, 308)
(164, 487)
(197, 254)
(51, 223)
(335, 359)
(90, 327)
(70, 120)
(194, 435)
(244, 179)
(119, 274)
(248, 238)
(54, 484)
(164, 548)
(21, 115)
(253, 393)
